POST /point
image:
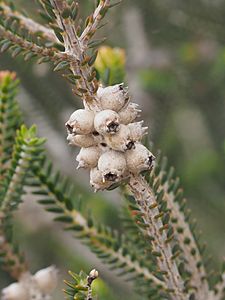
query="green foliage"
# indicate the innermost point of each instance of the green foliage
(110, 65)
(20, 148)
(10, 120)
(78, 288)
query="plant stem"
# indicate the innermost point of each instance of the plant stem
(145, 198)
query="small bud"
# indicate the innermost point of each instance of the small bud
(83, 141)
(88, 157)
(46, 279)
(139, 159)
(129, 113)
(112, 165)
(113, 97)
(96, 180)
(137, 131)
(93, 274)
(106, 122)
(120, 141)
(81, 122)
(15, 291)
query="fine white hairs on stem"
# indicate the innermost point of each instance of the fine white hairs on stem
(112, 165)
(139, 159)
(107, 122)
(81, 122)
(88, 157)
(113, 97)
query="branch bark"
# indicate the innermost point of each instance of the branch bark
(145, 199)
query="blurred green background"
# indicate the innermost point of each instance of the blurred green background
(175, 62)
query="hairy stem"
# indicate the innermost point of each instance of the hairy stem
(94, 238)
(198, 280)
(145, 198)
(93, 23)
(86, 87)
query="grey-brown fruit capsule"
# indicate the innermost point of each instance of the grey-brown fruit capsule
(112, 165)
(96, 180)
(46, 279)
(137, 131)
(81, 122)
(88, 157)
(82, 140)
(120, 141)
(106, 122)
(15, 291)
(139, 159)
(129, 113)
(113, 97)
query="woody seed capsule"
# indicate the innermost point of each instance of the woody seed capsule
(83, 141)
(129, 113)
(96, 180)
(46, 279)
(113, 97)
(112, 165)
(137, 131)
(139, 159)
(120, 141)
(15, 291)
(106, 122)
(81, 122)
(88, 157)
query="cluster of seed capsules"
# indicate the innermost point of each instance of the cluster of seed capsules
(35, 287)
(110, 139)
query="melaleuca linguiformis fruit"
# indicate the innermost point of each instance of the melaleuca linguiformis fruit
(120, 141)
(137, 131)
(129, 113)
(81, 122)
(97, 181)
(113, 97)
(15, 291)
(106, 122)
(82, 140)
(112, 165)
(46, 279)
(139, 159)
(88, 157)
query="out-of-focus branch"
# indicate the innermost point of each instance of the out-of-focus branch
(219, 290)
(154, 228)
(185, 238)
(30, 46)
(13, 262)
(93, 22)
(29, 24)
